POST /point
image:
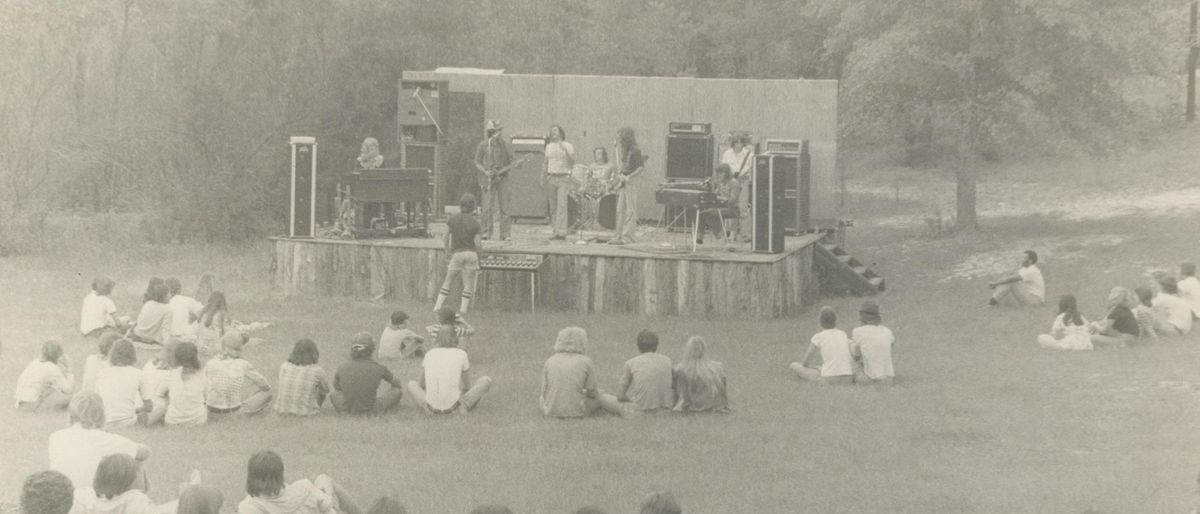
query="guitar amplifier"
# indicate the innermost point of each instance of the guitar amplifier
(687, 127)
(528, 198)
(511, 261)
(784, 146)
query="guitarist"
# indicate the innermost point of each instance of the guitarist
(630, 165)
(492, 159)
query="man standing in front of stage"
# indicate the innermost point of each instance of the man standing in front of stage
(490, 156)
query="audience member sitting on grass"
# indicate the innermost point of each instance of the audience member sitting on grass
(267, 493)
(205, 286)
(1144, 314)
(233, 383)
(213, 322)
(446, 317)
(1069, 330)
(92, 364)
(1174, 314)
(46, 383)
(47, 492)
(445, 383)
(1120, 327)
(76, 451)
(99, 313)
(1189, 287)
(836, 364)
(1026, 287)
(569, 380)
(871, 345)
(661, 502)
(199, 499)
(119, 385)
(153, 325)
(117, 489)
(303, 384)
(356, 383)
(185, 310)
(184, 389)
(397, 341)
(386, 505)
(491, 508)
(154, 282)
(155, 375)
(699, 381)
(646, 384)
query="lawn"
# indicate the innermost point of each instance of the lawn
(981, 420)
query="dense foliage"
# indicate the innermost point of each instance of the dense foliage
(181, 110)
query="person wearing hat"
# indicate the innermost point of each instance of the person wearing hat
(227, 376)
(356, 383)
(871, 345)
(491, 156)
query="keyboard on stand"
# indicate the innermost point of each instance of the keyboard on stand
(511, 261)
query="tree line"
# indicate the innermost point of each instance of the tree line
(181, 110)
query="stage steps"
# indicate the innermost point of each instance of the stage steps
(849, 276)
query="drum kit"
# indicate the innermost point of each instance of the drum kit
(592, 204)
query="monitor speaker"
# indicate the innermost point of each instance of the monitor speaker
(302, 214)
(689, 156)
(767, 201)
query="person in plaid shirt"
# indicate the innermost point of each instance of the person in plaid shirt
(303, 385)
(227, 375)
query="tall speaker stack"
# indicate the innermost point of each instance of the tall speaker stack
(302, 214)
(422, 115)
(767, 204)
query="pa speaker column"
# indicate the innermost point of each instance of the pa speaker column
(302, 216)
(767, 200)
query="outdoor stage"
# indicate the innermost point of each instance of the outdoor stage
(658, 276)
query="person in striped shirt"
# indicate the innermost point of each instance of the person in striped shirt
(303, 384)
(228, 374)
(448, 318)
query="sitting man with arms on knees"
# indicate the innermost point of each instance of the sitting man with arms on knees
(1172, 312)
(569, 380)
(445, 377)
(647, 380)
(1026, 287)
(356, 383)
(47, 382)
(75, 451)
(871, 343)
(233, 383)
(834, 344)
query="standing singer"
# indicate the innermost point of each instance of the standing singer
(560, 158)
(492, 160)
(625, 181)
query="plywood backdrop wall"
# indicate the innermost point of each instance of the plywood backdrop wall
(592, 108)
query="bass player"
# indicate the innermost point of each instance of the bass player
(493, 160)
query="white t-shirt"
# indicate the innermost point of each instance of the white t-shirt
(40, 379)
(153, 380)
(835, 352)
(133, 501)
(1179, 313)
(91, 368)
(76, 451)
(120, 388)
(183, 310)
(185, 398)
(1031, 276)
(1189, 290)
(443, 376)
(154, 321)
(739, 162)
(97, 312)
(559, 157)
(874, 344)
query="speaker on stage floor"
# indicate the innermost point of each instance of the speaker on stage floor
(527, 196)
(767, 199)
(302, 214)
(690, 151)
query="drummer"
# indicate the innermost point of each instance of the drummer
(601, 168)
(560, 158)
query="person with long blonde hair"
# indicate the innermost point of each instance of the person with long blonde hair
(629, 167)
(569, 387)
(1120, 327)
(700, 384)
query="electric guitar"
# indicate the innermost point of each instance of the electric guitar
(495, 176)
(619, 181)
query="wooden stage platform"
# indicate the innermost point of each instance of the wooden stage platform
(658, 276)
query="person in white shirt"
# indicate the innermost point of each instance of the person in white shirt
(1026, 287)
(834, 345)
(184, 389)
(740, 158)
(46, 383)
(153, 325)
(1070, 330)
(445, 376)
(116, 490)
(185, 310)
(1172, 313)
(156, 376)
(871, 345)
(397, 341)
(92, 364)
(99, 312)
(119, 385)
(268, 493)
(1189, 287)
(556, 173)
(75, 451)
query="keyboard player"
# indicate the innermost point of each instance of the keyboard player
(728, 190)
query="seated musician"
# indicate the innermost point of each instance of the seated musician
(727, 189)
(369, 158)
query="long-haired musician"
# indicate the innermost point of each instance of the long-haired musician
(728, 191)
(740, 159)
(491, 159)
(560, 159)
(629, 168)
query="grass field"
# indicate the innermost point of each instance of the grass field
(981, 420)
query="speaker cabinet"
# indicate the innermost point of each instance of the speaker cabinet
(796, 169)
(302, 214)
(768, 205)
(424, 103)
(689, 156)
(527, 197)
